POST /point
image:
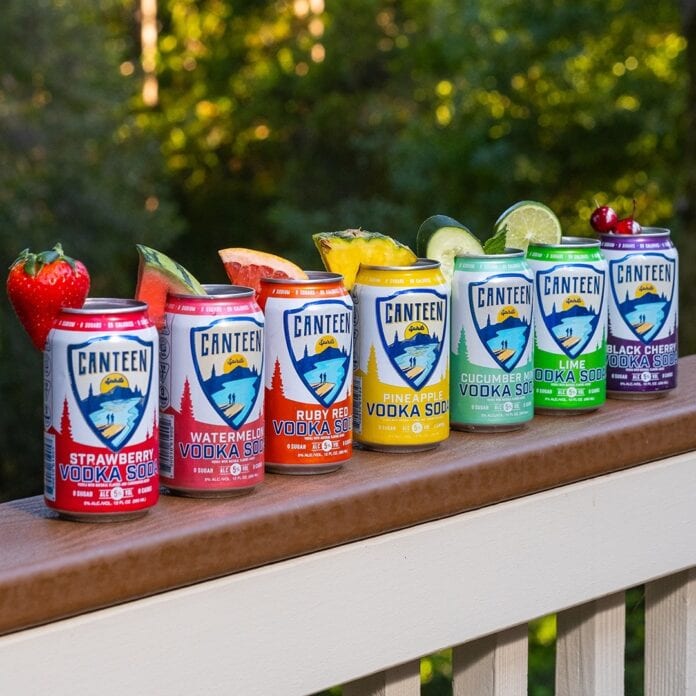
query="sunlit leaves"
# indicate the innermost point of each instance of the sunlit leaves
(395, 108)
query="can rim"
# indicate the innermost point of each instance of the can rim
(508, 253)
(313, 277)
(217, 291)
(645, 232)
(586, 242)
(419, 265)
(113, 305)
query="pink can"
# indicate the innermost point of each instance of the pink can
(211, 393)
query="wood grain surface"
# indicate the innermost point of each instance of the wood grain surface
(51, 568)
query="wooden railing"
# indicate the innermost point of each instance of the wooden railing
(349, 578)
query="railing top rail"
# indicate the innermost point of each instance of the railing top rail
(51, 568)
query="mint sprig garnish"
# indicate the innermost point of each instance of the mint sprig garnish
(496, 243)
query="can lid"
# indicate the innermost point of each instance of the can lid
(508, 253)
(579, 242)
(217, 291)
(313, 277)
(645, 232)
(112, 305)
(419, 265)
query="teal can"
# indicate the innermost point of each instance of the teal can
(491, 365)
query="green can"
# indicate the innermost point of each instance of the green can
(570, 318)
(491, 369)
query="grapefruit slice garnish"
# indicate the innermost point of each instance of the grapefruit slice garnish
(248, 266)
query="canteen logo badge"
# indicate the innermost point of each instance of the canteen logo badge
(412, 326)
(502, 316)
(111, 387)
(228, 358)
(643, 292)
(571, 298)
(319, 337)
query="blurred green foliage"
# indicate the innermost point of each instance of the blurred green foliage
(75, 168)
(281, 119)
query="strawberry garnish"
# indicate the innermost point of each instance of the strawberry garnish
(40, 285)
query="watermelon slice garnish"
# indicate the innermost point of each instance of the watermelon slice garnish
(158, 275)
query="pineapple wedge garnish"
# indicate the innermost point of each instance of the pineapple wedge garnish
(343, 252)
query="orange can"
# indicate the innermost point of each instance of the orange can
(308, 373)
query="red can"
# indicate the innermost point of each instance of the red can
(100, 412)
(309, 373)
(211, 395)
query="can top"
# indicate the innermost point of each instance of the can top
(218, 291)
(579, 242)
(419, 265)
(645, 232)
(508, 253)
(109, 305)
(313, 277)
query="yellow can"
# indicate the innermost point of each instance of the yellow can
(401, 357)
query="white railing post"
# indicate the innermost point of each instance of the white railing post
(403, 680)
(670, 635)
(590, 646)
(492, 666)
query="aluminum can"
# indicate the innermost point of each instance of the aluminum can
(211, 396)
(309, 343)
(401, 384)
(491, 360)
(570, 323)
(643, 314)
(100, 412)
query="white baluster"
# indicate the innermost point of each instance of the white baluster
(670, 635)
(590, 648)
(403, 680)
(492, 666)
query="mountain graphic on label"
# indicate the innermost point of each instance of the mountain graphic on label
(570, 298)
(501, 309)
(233, 390)
(228, 360)
(324, 371)
(319, 340)
(414, 354)
(506, 337)
(112, 403)
(645, 314)
(572, 324)
(644, 305)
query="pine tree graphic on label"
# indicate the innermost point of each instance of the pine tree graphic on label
(186, 405)
(372, 364)
(277, 380)
(462, 346)
(65, 425)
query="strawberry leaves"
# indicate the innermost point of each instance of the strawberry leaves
(40, 284)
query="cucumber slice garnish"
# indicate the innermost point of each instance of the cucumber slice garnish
(442, 238)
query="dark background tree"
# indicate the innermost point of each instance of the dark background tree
(74, 167)
(686, 202)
